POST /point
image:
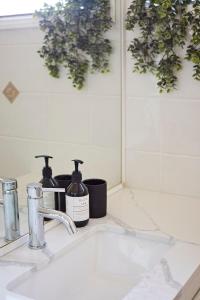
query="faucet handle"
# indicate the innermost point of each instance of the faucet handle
(34, 190)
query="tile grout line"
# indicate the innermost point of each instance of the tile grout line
(123, 93)
(167, 154)
(160, 146)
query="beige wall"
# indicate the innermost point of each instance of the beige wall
(50, 116)
(162, 133)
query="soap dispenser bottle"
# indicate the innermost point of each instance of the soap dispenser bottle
(77, 198)
(48, 182)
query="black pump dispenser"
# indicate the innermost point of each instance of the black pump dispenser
(48, 182)
(77, 198)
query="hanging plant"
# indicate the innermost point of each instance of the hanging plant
(193, 50)
(163, 31)
(74, 38)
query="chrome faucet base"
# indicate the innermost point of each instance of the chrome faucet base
(37, 247)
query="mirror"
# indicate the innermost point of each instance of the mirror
(50, 117)
(23, 216)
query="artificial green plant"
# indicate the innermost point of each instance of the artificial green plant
(165, 27)
(74, 38)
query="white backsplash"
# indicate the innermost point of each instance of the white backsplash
(162, 131)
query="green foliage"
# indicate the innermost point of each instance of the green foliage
(193, 50)
(74, 38)
(164, 27)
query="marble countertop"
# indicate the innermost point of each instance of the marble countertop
(177, 276)
(175, 216)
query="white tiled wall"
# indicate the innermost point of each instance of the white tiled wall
(50, 116)
(162, 133)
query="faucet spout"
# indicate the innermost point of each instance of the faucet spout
(60, 216)
(36, 214)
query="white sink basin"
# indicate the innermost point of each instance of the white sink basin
(104, 265)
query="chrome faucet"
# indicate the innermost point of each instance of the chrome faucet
(11, 209)
(37, 213)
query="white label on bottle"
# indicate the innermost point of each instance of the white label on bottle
(55, 190)
(78, 208)
(49, 200)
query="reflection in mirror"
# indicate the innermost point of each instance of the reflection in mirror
(23, 216)
(49, 116)
(10, 214)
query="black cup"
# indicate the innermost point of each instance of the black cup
(63, 182)
(97, 197)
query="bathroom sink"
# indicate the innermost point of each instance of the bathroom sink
(103, 265)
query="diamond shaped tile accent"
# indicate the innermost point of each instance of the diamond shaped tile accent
(11, 92)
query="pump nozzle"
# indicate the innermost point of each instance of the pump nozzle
(76, 175)
(77, 162)
(46, 158)
(47, 172)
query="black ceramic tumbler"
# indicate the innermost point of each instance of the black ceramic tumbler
(63, 182)
(97, 197)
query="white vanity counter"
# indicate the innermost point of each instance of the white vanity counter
(174, 216)
(176, 275)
